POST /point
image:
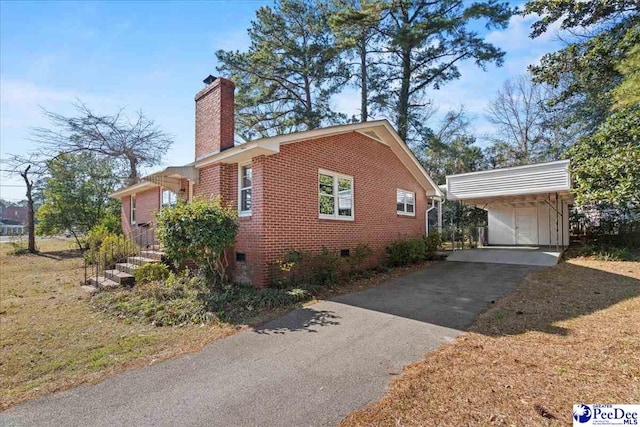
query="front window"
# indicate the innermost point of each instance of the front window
(168, 198)
(405, 202)
(335, 196)
(133, 209)
(245, 181)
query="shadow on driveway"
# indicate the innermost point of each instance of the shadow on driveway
(304, 319)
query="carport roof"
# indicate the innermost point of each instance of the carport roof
(520, 183)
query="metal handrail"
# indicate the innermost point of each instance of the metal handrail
(144, 238)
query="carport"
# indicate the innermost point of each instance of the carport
(527, 209)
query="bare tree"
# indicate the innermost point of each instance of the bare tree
(518, 112)
(133, 142)
(30, 169)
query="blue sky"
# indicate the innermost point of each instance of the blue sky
(154, 55)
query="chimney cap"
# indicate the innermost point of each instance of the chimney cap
(210, 79)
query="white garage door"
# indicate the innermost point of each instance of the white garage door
(526, 226)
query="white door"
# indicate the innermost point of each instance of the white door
(526, 226)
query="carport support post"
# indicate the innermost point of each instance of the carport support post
(549, 226)
(557, 233)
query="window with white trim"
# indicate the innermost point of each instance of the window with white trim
(245, 182)
(133, 209)
(335, 195)
(168, 198)
(406, 202)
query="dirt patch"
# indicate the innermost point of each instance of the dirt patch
(569, 334)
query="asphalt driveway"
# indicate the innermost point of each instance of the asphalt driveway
(309, 368)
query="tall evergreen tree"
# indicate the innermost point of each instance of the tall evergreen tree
(292, 68)
(355, 23)
(425, 41)
(586, 70)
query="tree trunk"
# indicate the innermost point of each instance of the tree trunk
(310, 119)
(403, 101)
(31, 214)
(133, 170)
(364, 90)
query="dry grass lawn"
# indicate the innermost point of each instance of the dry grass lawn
(569, 334)
(51, 339)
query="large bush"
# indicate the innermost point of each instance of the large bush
(199, 231)
(410, 251)
(405, 252)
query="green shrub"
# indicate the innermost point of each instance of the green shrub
(95, 236)
(406, 251)
(199, 231)
(306, 268)
(358, 259)
(109, 248)
(325, 268)
(433, 242)
(151, 272)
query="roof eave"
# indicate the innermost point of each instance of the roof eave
(132, 189)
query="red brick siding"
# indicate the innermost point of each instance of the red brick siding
(291, 197)
(125, 215)
(147, 202)
(250, 238)
(214, 117)
(222, 179)
(285, 201)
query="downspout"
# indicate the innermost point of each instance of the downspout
(433, 206)
(440, 215)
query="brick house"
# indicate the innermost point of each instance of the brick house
(333, 187)
(14, 212)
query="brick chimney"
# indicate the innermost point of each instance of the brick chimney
(214, 116)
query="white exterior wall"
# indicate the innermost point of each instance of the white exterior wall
(531, 179)
(501, 225)
(546, 214)
(501, 218)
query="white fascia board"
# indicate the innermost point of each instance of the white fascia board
(413, 159)
(132, 189)
(514, 168)
(241, 153)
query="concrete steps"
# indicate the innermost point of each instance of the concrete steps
(152, 254)
(125, 267)
(140, 260)
(123, 278)
(102, 282)
(123, 273)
